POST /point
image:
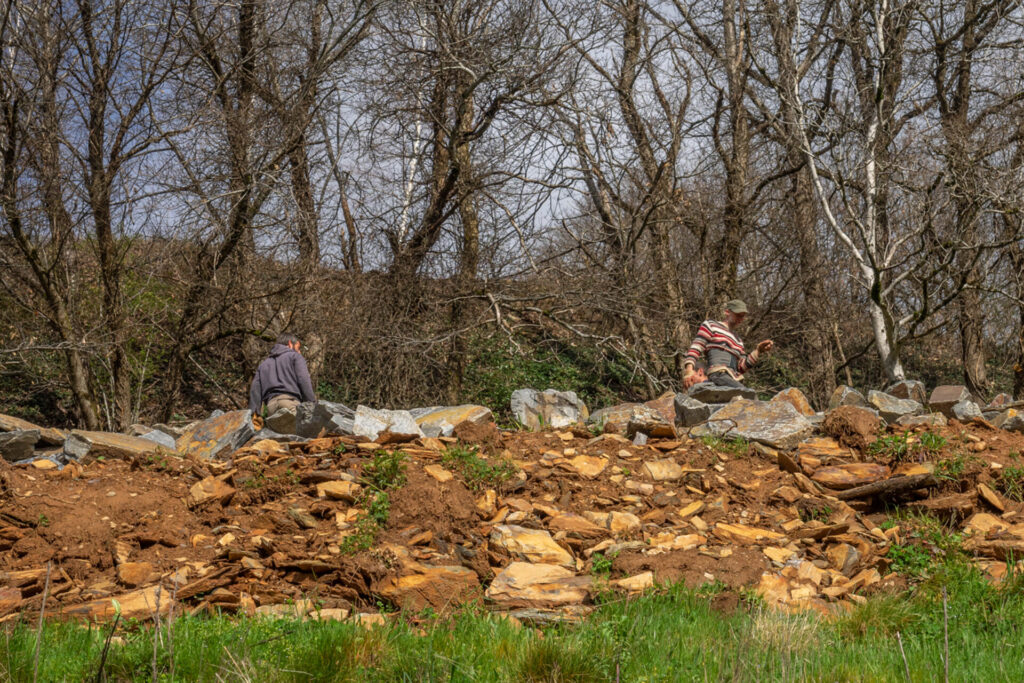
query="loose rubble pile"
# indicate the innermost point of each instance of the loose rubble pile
(289, 517)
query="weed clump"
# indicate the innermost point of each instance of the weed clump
(902, 447)
(384, 473)
(478, 472)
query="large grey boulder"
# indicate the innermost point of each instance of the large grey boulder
(283, 421)
(891, 408)
(75, 448)
(325, 416)
(548, 409)
(372, 423)
(773, 423)
(690, 412)
(218, 436)
(909, 388)
(945, 397)
(966, 410)
(708, 392)
(847, 396)
(18, 445)
(1010, 419)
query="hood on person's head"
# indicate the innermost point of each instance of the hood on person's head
(278, 350)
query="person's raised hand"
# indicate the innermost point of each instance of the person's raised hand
(766, 346)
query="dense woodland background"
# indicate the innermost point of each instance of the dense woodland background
(450, 199)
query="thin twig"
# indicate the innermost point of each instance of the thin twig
(906, 664)
(39, 630)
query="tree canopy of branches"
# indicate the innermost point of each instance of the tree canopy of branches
(437, 194)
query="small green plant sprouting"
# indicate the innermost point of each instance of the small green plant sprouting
(712, 588)
(900, 447)
(43, 520)
(895, 446)
(932, 442)
(386, 470)
(362, 537)
(810, 513)
(256, 481)
(953, 468)
(909, 559)
(887, 524)
(379, 507)
(478, 472)
(338, 449)
(156, 461)
(601, 565)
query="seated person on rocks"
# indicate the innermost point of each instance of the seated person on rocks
(282, 379)
(727, 360)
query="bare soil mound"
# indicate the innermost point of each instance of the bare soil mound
(852, 426)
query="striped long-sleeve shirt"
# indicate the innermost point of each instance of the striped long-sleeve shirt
(723, 348)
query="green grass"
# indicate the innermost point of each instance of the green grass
(1011, 483)
(734, 447)
(900, 447)
(671, 635)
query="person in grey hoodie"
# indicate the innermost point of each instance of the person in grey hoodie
(282, 379)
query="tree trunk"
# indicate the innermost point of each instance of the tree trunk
(305, 205)
(736, 157)
(469, 256)
(972, 322)
(886, 343)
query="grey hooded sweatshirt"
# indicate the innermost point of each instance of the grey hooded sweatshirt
(283, 372)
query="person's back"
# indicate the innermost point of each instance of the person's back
(282, 379)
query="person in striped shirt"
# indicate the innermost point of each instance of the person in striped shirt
(727, 360)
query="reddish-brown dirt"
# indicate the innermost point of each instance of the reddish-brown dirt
(274, 540)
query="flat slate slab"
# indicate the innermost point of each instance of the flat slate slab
(773, 423)
(81, 444)
(707, 392)
(47, 435)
